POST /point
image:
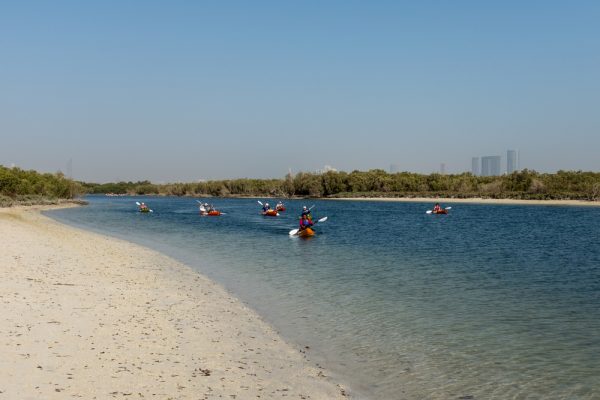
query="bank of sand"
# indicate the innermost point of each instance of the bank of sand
(92, 317)
(477, 201)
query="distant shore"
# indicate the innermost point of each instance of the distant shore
(89, 316)
(474, 200)
(468, 200)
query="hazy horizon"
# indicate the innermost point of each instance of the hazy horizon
(188, 91)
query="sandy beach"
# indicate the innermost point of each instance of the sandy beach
(477, 201)
(92, 317)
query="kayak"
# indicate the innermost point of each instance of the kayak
(144, 210)
(440, 212)
(213, 213)
(280, 209)
(307, 232)
(270, 213)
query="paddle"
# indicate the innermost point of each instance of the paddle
(295, 231)
(260, 202)
(430, 211)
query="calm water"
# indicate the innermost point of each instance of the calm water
(487, 302)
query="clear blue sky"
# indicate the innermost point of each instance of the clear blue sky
(183, 90)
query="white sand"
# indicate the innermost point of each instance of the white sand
(477, 201)
(91, 317)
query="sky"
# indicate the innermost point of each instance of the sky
(189, 90)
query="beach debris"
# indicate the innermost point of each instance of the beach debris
(201, 371)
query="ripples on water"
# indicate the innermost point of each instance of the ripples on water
(487, 302)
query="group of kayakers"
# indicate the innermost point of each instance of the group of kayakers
(305, 219)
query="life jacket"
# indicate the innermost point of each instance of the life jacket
(305, 223)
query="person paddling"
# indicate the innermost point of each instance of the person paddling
(306, 212)
(305, 222)
(437, 208)
(266, 207)
(143, 207)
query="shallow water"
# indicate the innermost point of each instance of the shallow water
(487, 302)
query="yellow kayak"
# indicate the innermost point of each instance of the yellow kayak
(306, 232)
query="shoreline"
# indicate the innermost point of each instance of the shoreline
(473, 201)
(87, 315)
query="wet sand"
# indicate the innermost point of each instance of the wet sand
(477, 201)
(92, 317)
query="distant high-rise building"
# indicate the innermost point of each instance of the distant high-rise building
(475, 166)
(512, 161)
(490, 165)
(326, 168)
(443, 168)
(394, 168)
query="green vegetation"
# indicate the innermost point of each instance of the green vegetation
(30, 187)
(525, 184)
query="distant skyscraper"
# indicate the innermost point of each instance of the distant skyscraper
(326, 168)
(394, 168)
(443, 168)
(490, 165)
(475, 166)
(512, 161)
(70, 168)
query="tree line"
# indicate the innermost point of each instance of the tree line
(19, 186)
(525, 184)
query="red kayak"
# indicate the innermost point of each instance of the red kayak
(270, 213)
(213, 213)
(440, 212)
(280, 208)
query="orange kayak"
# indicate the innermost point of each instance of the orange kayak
(440, 212)
(307, 232)
(270, 213)
(280, 209)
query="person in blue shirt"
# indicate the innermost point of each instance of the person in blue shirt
(305, 222)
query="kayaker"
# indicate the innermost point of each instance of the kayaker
(305, 222)
(266, 207)
(143, 206)
(437, 208)
(279, 206)
(306, 212)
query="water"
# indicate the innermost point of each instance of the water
(487, 302)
